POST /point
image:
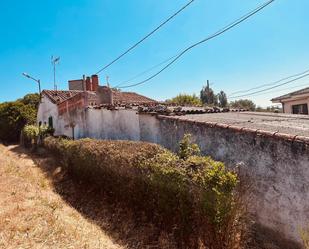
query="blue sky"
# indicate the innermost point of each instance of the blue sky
(88, 34)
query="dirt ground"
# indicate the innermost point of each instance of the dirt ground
(33, 215)
(41, 207)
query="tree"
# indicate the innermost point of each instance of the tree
(207, 95)
(32, 99)
(15, 115)
(222, 99)
(243, 104)
(185, 100)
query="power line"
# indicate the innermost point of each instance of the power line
(268, 84)
(260, 91)
(145, 37)
(146, 71)
(280, 90)
(221, 31)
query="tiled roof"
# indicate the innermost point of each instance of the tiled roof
(59, 96)
(119, 97)
(292, 94)
(130, 98)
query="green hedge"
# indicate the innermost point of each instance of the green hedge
(188, 195)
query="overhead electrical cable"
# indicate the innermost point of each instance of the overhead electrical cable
(268, 84)
(221, 31)
(145, 37)
(280, 90)
(145, 71)
(269, 88)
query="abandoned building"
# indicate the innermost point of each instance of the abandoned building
(64, 110)
(272, 149)
(295, 102)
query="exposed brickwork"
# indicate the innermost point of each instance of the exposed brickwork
(81, 100)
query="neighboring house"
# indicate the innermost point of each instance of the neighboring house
(68, 111)
(295, 102)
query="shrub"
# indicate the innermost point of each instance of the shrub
(187, 148)
(188, 195)
(15, 115)
(185, 100)
(30, 135)
(33, 135)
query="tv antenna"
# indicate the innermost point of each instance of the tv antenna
(55, 61)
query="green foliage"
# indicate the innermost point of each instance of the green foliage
(31, 131)
(222, 99)
(31, 100)
(244, 104)
(208, 96)
(273, 109)
(188, 195)
(187, 148)
(15, 115)
(186, 100)
(31, 134)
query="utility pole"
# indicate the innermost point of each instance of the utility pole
(54, 62)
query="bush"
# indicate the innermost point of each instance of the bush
(30, 135)
(15, 115)
(185, 100)
(33, 135)
(246, 104)
(190, 196)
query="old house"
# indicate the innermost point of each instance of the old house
(69, 112)
(295, 102)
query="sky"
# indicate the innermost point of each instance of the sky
(88, 34)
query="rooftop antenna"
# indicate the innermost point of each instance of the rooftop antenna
(55, 61)
(107, 78)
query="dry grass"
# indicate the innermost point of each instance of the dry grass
(32, 215)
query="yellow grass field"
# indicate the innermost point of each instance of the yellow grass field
(33, 215)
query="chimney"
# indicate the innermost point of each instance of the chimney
(88, 84)
(95, 82)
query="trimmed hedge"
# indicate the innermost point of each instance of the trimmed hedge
(189, 196)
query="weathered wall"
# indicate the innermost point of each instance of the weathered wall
(106, 124)
(278, 168)
(48, 109)
(278, 165)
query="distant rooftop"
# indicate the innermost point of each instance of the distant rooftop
(292, 94)
(130, 98)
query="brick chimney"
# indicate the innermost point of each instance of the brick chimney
(95, 82)
(88, 84)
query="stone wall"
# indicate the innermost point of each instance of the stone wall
(277, 164)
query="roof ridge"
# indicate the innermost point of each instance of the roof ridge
(290, 94)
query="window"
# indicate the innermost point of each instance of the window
(300, 109)
(50, 122)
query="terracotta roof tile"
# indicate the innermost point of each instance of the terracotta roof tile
(130, 98)
(59, 96)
